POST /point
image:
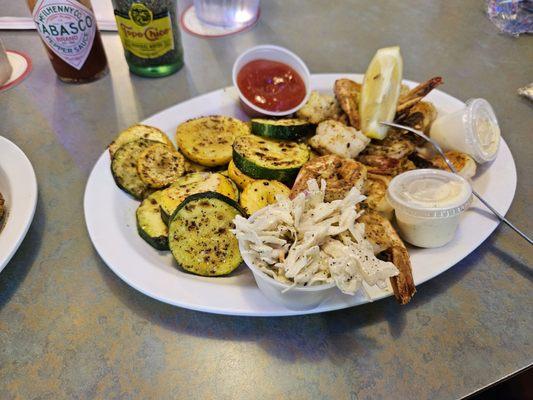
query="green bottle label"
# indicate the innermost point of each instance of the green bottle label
(144, 34)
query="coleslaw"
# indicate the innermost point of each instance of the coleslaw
(307, 241)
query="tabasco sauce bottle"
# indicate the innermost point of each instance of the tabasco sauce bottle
(71, 38)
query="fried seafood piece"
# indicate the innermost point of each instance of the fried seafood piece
(463, 163)
(420, 117)
(319, 107)
(389, 247)
(340, 174)
(420, 160)
(333, 137)
(383, 165)
(415, 95)
(375, 190)
(347, 94)
(395, 145)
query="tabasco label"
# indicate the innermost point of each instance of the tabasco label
(67, 28)
(144, 34)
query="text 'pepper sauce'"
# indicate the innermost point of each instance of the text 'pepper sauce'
(271, 85)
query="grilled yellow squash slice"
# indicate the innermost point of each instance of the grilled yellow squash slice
(197, 182)
(137, 132)
(159, 165)
(191, 166)
(237, 176)
(261, 193)
(208, 140)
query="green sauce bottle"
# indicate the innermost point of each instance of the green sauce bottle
(150, 36)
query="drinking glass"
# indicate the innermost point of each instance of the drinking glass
(226, 13)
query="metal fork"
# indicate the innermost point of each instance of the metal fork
(439, 150)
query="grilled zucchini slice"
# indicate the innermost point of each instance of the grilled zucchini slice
(261, 193)
(263, 158)
(237, 176)
(197, 182)
(285, 129)
(207, 140)
(150, 225)
(137, 132)
(158, 166)
(199, 234)
(124, 168)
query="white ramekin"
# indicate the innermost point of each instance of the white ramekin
(274, 53)
(427, 225)
(296, 297)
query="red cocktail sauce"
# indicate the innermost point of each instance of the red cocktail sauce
(271, 85)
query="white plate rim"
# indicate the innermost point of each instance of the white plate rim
(502, 205)
(21, 198)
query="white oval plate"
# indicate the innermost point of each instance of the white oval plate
(110, 218)
(18, 186)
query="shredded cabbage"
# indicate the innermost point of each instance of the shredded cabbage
(306, 241)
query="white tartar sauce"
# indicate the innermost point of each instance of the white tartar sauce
(433, 193)
(428, 204)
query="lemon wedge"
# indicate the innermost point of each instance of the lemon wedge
(380, 91)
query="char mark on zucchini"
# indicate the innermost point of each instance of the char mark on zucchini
(263, 158)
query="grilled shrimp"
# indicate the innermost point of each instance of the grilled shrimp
(420, 116)
(375, 190)
(407, 101)
(388, 246)
(389, 156)
(463, 163)
(383, 165)
(347, 94)
(340, 174)
(395, 145)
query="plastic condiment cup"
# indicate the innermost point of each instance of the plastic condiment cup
(427, 204)
(473, 130)
(274, 53)
(292, 297)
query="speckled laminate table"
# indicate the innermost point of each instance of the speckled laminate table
(69, 328)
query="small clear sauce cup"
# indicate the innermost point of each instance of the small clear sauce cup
(274, 53)
(473, 130)
(428, 204)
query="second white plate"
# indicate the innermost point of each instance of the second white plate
(18, 186)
